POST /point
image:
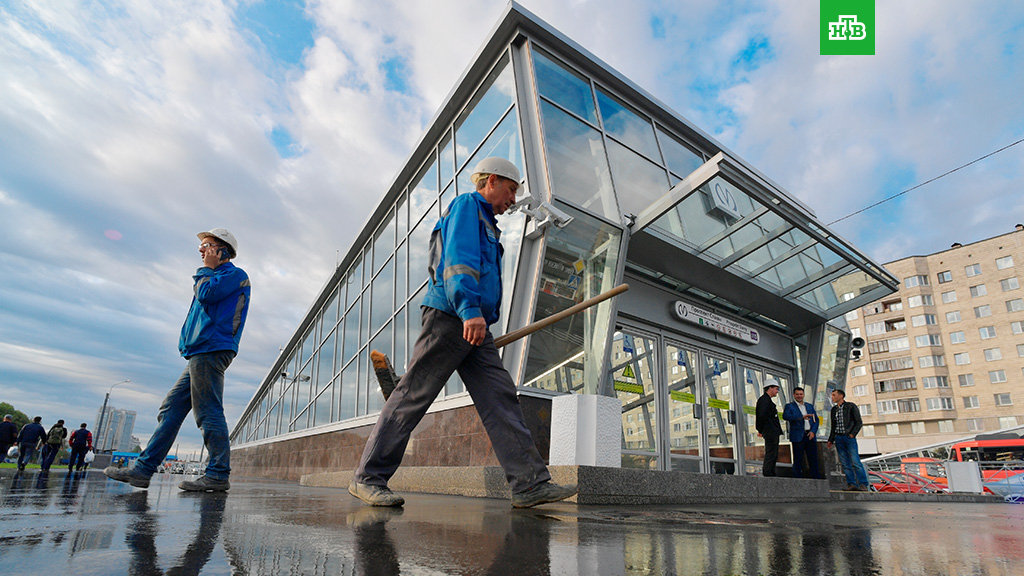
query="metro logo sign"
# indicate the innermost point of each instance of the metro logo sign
(847, 27)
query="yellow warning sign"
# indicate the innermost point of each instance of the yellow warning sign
(620, 386)
(628, 372)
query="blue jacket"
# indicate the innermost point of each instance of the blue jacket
(791, 414)
(217, 315)
(465, 261)
(31, 434)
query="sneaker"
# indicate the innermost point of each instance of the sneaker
(542, 493)
(850, 488)
(863, 488)
(125, 475)
(375, 495)
(205, 484)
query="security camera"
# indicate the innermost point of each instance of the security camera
(543, 215)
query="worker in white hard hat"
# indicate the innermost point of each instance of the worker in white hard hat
(209, 341)
(463, 298)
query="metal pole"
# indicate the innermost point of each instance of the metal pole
(540, 324)
(103, 415)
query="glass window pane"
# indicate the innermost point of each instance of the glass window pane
(330, 312)
(380, 343)
(351, 333)
(568, 89)
(419, 248)
(634, 387)
(447, 159)
(383, 296)
(400, 270)
(638, 182)
(678, 157)
(347, 391)
(322, 408)
(512, 227)
(706, 213)
(362, 360)
(448, 195)
(503, 142)
(579, 262)
(488, 105)
(402, 219)
(423, 193)
(399, 359)
(353, 282)
(325, 363)
(383, 243)
(627, 125)
(576, 161)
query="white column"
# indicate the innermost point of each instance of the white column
(586, 430)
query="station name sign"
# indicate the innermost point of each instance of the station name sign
(712, 321)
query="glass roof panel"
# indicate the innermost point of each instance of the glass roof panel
(700, 217)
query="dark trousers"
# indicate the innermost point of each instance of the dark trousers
(27, 451)
(440, 350)
(771, 454)
(77, 455)
(48, 454)
(806, 447)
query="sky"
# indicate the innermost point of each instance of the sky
(128, 127)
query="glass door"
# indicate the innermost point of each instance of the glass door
(752, 444)
(633, 376)
(685, 412)
(721, 419)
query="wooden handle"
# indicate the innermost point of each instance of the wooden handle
(540, 324)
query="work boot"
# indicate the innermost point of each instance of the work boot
(375, 495)
(851, 488)
(542, 493)
(127, 476)
(205, 484)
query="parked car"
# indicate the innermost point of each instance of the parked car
(905, 483)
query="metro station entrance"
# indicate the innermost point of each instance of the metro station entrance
(686, 406)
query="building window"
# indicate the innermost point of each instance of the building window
(868, 431)
(860, 390)
(929, 382)
(893, 325)
(971, 402)
(912, 281)
(1007, 421)
(909, 405)
(865, 410)
(931, 360)
(962, 358)
(892, 429)
(928, 340)
(966, 379)
(1003, 399)
(987, 332)
(894, 306)
(855, 332)
(887, 407)
(953, 317)
(997, 376)
(975, 424)
(852, 315)
(957, 337)
(917, 427)
(898, 344)
(1017, 327)
(900, 363)
(859, 371)
(946, 276)
(894, 385)
(1015, 305)
(920, 300)
(1004, 262)
(992, 354)
(940, 404)
(982, 311)
(875, 328)
(945, 426)
(1020, 350)
(1009, 284)
(923, 320)
(978, 290)
(972, 270)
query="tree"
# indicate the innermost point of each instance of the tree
(19, 417)
(137, 449)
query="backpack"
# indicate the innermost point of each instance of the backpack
(56, 435)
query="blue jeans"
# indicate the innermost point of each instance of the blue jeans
(201, 390)
(47, 456)
(849, 457)
(27, 451)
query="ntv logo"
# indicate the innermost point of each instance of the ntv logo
(847, 28)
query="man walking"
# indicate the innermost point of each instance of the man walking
(31, 435)
(803, 433)
(462, 300)
(80, 442)
(8, 435)
(54, 442)
(209, 342)
(846, 423)
(766, 420)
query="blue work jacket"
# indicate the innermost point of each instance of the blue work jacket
(465, 261)
(217, 316)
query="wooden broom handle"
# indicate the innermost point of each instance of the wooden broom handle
(540, 324)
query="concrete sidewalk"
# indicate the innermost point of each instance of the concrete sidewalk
(91, 525)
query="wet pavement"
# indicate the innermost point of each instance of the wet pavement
(90, 525)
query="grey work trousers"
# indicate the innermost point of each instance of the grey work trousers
(440, 350)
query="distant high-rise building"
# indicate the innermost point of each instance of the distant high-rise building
(944, 356)
(117, 430)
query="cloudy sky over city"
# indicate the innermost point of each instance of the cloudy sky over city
(127, 127)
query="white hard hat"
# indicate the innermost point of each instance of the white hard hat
(495, 165)
(222, 234)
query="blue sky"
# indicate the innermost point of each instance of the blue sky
(127, 127)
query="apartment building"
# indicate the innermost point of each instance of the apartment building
(944, 356)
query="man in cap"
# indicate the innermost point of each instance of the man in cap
(767, 424)
(463, 298)
(209, 342)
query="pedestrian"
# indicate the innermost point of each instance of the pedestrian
(766, 420)
(8, 435)
(209, 341)
(803, 433)
(81, 443)
(54, 442)
(846, 423)
(31, 435)
(463, 298)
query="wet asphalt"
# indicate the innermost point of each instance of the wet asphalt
(85, 525)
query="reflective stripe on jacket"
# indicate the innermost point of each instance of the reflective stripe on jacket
(217, 316)
(465, 261)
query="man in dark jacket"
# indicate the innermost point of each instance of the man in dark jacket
(81, 442)
(54, 442)
(846, 424)
(8, 435)
(209, 342)
(31, 435)
(768, 427)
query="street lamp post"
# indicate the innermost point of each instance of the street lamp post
(103, 414)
